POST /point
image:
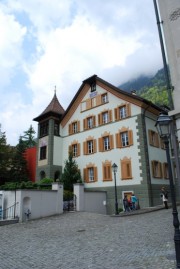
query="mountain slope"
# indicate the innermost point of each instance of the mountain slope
(151, 88)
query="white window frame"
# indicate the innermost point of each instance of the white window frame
(90, 146)
(124, 139)
(122, 112)
(105, 117)
(91, 174)
(106, 143)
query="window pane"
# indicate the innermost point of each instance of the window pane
(122, 112)
(74, 127)
(74, 150)
(124, 139)
(105, 117)
(91, 174)
(90, 146)
(90, 122)
(106, 143)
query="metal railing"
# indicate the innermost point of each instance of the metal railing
(9, 212)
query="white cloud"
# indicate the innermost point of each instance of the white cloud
(72, 40)
(11, 39)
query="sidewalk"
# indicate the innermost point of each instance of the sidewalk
(140, 211)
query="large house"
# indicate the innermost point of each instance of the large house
(104, 125)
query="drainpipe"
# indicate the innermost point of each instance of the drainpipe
(166, 71)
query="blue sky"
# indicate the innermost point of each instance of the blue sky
(44, 43)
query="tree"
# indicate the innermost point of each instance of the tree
(5, 158)
(71, 173)
(28, 138)
(19, 171)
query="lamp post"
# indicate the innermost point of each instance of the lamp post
(114, 168)
(163, 125)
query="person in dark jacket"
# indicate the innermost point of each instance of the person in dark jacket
(164, 197)
(126, 204)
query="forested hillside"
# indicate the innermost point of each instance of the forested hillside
(150, 88)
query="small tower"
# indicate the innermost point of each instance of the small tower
(48, 165)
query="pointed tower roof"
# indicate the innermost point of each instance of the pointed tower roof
(53, 109)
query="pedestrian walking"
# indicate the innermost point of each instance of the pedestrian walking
(133, 200)
(126, 204)
(164, 197)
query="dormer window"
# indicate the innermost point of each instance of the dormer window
(93, 87)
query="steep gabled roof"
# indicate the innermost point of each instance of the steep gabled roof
(53, 109)
(137, 100)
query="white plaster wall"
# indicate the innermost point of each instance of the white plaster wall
(114, 155)
(42, 203)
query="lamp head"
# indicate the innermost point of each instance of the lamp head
(163, 125)
(114, 167)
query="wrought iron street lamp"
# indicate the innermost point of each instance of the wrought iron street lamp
(163, 125)
(114, 169)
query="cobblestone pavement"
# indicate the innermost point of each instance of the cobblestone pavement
(90, 241)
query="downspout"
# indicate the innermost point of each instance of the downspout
(147, 159)
(166, 71)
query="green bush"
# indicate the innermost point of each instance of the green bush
(67, 195)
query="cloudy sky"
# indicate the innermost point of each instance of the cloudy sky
(44, 43)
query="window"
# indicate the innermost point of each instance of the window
(74, 127)
(89, 146)
(56, 128)
(153, 138)
(105, 117)
(90, 173)
(124, 138)
(43, 152)
(156, 169)
(106, 142)
(122, 112)
(126, 169)
(104, 98)
(44, 129)
(107, 171)
(165, 170)
(89, 122)
(93, 87)
(75, 149)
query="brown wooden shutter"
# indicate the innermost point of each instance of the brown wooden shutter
(78, 149)
(111, 140)
(85, 148)
(88, 103)
(85, 170)
(95, 174)
(128, 109)
(150, 137)
(157, 140)
(130, 136)
(116, 113)
(100, 140)
(100, 119)
(70, 128)
(85, 124)
(78, 125)
(95, 145)
(110, 115)
(98, 100)
(94, 121)
(118, 144)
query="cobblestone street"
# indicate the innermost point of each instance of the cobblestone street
(87, 240)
